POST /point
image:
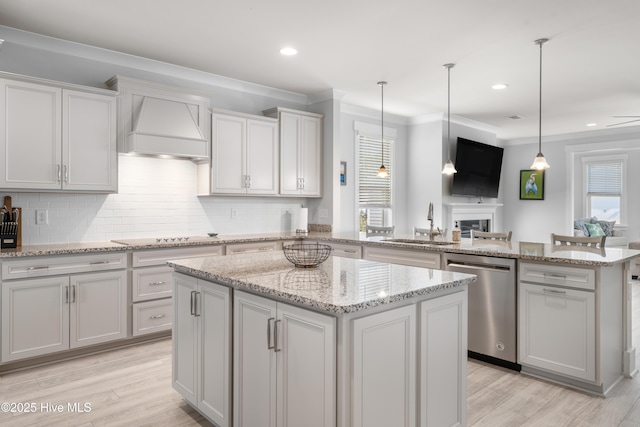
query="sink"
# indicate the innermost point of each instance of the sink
(420, 241)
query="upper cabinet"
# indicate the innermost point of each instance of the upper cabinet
(300, 151)
(244, 155)
(159, 120)
(57, 136)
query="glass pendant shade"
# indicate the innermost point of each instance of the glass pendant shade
(449, 168)
(540, 163)
(382, 172)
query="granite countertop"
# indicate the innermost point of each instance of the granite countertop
(339, 285)
(532, 251)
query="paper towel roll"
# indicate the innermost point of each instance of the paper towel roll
(303, 219)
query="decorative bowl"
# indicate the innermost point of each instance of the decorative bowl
(307, 255)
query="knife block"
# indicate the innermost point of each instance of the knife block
(11, 231)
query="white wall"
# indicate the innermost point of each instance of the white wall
(536, 220)
(156, 198)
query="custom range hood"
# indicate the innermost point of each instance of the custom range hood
(158, 120)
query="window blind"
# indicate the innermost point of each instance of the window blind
(374, 191)
(604, 177)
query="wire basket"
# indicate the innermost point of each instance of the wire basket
(307, 255)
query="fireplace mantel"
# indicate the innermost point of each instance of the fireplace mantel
(473, 211)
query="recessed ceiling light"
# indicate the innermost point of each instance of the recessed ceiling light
(592, 124)
(288, 51)
(500, 86)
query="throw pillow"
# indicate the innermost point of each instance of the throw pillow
(595, 230)
(607, 227)
(579, 224)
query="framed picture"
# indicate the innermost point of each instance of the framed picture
(531, 185)
(343, 173)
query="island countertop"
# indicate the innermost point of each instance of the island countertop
(339, 285)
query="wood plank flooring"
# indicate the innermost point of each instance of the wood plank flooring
(132, 387)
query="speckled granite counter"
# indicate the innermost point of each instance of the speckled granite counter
(336, 286)
(62, 249)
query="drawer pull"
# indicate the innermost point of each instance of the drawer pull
(553, 291)
(157, 283)
(42, 267)
(349, 251)
(238, 250)
(98, 262)
(555, 276)
(157, 316)
(265, 249)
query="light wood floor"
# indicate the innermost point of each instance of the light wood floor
(132, 387)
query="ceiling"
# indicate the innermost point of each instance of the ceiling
(591, 65)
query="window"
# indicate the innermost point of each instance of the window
(374, 193)
(604, 189)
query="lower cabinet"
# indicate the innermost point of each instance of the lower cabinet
(50, 314)
(202, 346)
(284, 365)
(417, 258)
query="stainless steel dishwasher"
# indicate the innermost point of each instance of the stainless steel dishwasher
(492, 306)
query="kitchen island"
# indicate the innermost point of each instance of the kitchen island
(350, 343)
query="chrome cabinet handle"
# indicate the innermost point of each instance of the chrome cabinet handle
(66, 174)
(275, 336)
(265, 249)
(193, 304)
(269, 344)
(42, 267)
(553, 291)
(98, 262)
(248, 181)
(156, 283)
(59, 174)
(350, 251)
(157, 316)
(73, 293)
(197, 305)
(555, 275)
(302, 183)
(66, 292)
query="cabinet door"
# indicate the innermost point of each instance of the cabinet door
(214, 352)
(35, 317)
(306, 352)
(89, 152)
(254, 362)
(228, 154)
(30, 136)
(289, 153)
(443, 361)
(262, 157)
(384, 361)
(185, 361)
(310, 155)
(98, 308)
(557, 330)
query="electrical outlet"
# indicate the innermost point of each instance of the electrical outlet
(42, 217)
(234, 213)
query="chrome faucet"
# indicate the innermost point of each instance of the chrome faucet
(430, 219)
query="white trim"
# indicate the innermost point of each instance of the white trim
(373, 131)
(596, 135)
(623, 197)
(373, 114)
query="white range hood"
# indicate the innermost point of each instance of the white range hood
(158, 120)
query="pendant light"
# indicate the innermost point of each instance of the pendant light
(449, 168)
(540, 163)
(382, 172)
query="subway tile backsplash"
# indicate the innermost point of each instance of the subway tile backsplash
(156, 198)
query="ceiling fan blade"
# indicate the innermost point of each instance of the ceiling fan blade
(624, 123)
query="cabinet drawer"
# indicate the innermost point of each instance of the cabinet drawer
(152, 316)
(580, 278)
(67, 264)
(341, 249)
(161, 256)
(403, 256)
(151, 283)
(245, 248)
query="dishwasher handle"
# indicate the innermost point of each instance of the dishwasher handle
(477, 266)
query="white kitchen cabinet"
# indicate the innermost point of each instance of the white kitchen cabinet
(244, 154)
(152, 285)
(57, 137)
(284, 364)
(50, 314)
(558, 329)
(417, 258)
(384, 377)
(202, 346)
(300, 151)
(253, 247)
(341, 249)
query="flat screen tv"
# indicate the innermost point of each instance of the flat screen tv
(478, 167)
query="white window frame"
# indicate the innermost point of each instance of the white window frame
(622, 158)
(373, 131)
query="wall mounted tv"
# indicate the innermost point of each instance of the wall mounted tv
(478, 167)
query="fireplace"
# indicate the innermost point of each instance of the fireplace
(476, 216)
(466, 225)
